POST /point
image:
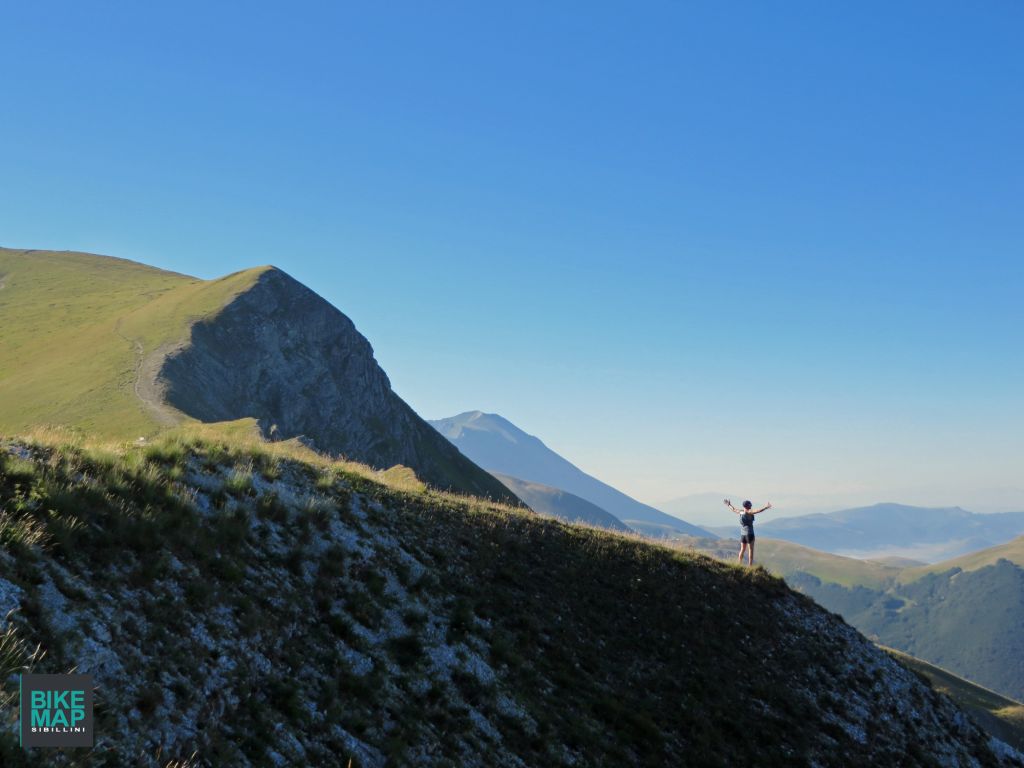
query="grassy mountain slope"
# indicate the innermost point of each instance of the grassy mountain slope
(1011, 550)
(75, 329)
(557, 503)
(897, 562)
(119, 349)
(498, 445)
(259, 604)
(968, 621)
(785, 558)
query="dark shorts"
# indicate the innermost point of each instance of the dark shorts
(747, 539)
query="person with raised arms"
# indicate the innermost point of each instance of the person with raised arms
(747, 527)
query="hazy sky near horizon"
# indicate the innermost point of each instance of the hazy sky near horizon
(764, 248)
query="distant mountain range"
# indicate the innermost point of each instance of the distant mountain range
(498, 445)
(882, 530)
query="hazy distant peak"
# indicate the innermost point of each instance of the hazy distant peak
(454, 427)
(499, 446)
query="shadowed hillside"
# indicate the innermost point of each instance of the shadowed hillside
(557, 503)
(260, 604)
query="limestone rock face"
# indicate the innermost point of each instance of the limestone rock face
(282, 354)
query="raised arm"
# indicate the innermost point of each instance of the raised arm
(762, 509)
(730, 506)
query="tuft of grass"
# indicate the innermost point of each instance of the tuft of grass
(269, 466)
(20, 532)
(239, 482)
(17, 655)
(192, 761)
(326, 481)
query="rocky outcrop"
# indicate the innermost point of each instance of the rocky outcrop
(282, 354)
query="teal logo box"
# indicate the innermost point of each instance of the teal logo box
(56, 711)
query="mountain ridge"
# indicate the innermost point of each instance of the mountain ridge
(132, 349)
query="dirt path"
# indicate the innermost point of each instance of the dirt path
(147, 386)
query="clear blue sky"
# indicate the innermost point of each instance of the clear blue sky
(770, 248)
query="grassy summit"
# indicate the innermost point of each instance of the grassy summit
(76, 328)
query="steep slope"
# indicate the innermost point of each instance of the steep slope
(498, 445)
(262, 607)
(557, 503)
(1000, 716)
(121, 349)
(896, 529)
